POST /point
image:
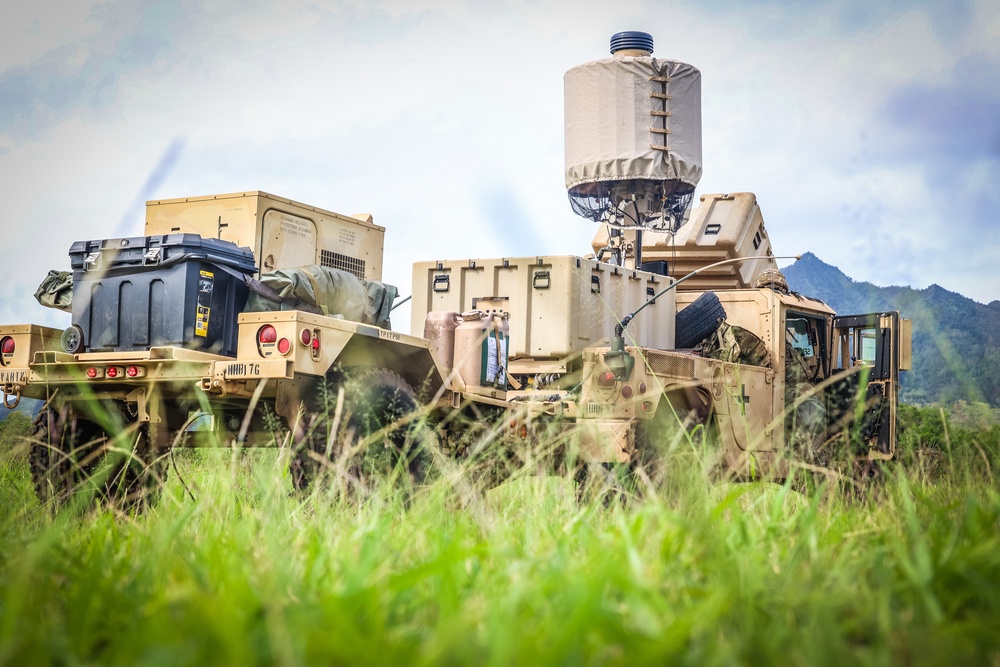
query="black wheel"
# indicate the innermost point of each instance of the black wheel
(699, 320)
(664, 443)
(72, 339)
(380, 432)
(71, 453)
(64, 452)
(606, 483)
(135, 473)
(653, 439)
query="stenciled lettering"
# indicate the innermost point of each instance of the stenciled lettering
(13, 377)
(237, 369)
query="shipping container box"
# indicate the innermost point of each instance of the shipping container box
(557, 305)
(282, 233)
(721, 227)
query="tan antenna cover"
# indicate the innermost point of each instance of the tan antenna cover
(632, 118)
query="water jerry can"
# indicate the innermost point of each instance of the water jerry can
(481, 343)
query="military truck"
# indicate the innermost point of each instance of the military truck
(159, 343)
(679, 316)
(777, 376)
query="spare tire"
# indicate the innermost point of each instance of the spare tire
(384, 431)
(699, 320)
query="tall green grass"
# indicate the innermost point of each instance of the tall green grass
(700, 572)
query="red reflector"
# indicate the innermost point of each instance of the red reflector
(305, 336)
(267, 334)
(284, 345)
(642, 387)
(7, 345)
(626, 392)
(606, 379)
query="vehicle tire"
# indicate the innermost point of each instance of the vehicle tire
(653, 438)
(665, 444)
(70, 454)
(699, 320)
(605, 483)
(63, 454)
(380, 433)
(135, 477)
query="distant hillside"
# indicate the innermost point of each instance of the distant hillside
(28, 407)
(956, 341)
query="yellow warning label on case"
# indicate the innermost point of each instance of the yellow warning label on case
(206, 283)
(201, 322)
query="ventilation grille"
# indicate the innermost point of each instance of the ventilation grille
(671, 366)
(335, 260)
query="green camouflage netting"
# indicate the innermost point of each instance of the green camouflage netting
(736, 345)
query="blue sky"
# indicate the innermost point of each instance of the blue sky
(871, 135)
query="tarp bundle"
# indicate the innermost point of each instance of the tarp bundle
(56, 291)
(323, 290)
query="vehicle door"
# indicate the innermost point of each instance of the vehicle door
(871, 350)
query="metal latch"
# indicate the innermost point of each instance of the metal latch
(93, 261)
(540, 280)
(595, 284)
(442, 282)
(152, 257)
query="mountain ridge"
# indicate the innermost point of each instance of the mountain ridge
(956, 341)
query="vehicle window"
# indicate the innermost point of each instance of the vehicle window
(798, 336)
(865, 346)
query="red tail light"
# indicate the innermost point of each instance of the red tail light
(606, 379)
(112, 372)
(267, 334)
(135, 371)
(94, 373)
(7, 345)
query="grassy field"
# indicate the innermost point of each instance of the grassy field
(701, 572)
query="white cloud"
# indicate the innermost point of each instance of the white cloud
(30, 30)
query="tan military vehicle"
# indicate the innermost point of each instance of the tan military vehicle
(777, 375)
(160, 342)
(679, 317)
